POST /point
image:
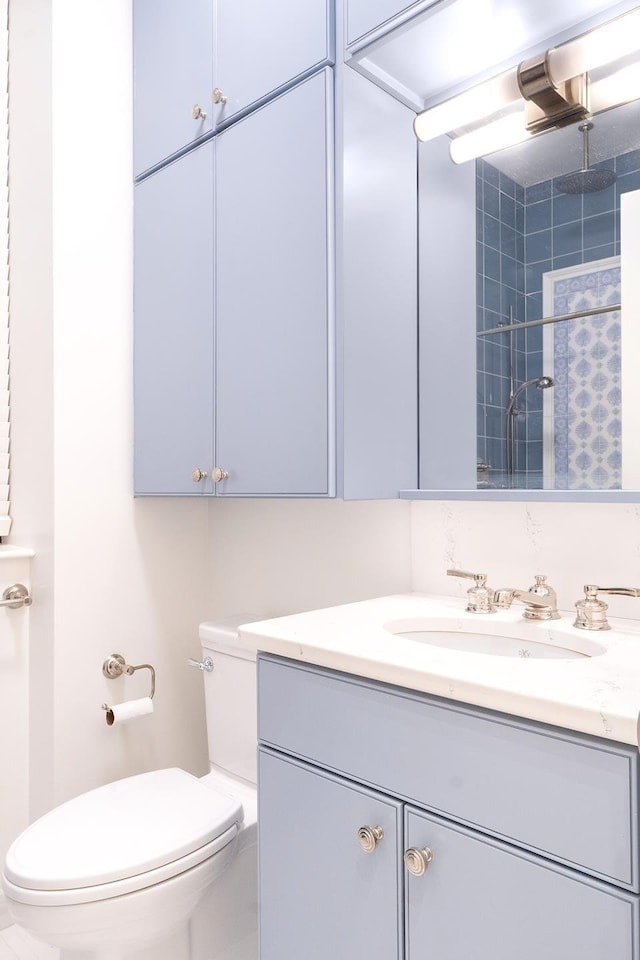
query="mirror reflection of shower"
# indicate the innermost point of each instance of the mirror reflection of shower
(548, 299)
(512, 411)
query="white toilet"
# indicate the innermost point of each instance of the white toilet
(162, 865)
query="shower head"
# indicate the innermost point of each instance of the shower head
(542, 383)
(586, 180)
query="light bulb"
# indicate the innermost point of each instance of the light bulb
(506, 132)
(620, 87)
(474, 104)
(604, 44)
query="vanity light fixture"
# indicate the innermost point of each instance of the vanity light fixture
(620, 87)
(554, 87)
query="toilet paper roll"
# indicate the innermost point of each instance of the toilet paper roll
(128, 710)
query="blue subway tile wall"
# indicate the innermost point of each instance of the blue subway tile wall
(523, 233)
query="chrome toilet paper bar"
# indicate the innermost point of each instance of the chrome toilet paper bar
(114, 666)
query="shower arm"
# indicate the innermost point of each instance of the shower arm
(585, 127)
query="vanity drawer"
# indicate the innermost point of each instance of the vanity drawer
(564, 795)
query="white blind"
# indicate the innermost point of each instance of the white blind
(5, 519)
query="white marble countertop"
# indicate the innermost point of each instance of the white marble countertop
(596, 694)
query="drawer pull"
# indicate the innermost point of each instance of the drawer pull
(368, 837)
(416, 861)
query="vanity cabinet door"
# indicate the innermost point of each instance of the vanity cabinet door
(483, 899)
(261, 47)
(321, 896)
(172, 74)
(173, 331)
(272, 296)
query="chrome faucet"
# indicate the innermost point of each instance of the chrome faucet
(592, 613)
(541, 601)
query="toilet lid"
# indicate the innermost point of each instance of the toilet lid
(120, 830)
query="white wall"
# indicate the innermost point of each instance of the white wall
(14, 709)
(284, 556)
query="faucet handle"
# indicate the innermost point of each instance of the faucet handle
(591, 612)
(542, 589)
(480, 578)
(540, 586)
(480, 599)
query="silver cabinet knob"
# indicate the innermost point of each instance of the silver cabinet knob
(217, 96)
(197, 112)
(206, 665)
(217, 475)
(416, 861)
(368, 837)
(197, 475)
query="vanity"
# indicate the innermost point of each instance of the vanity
(422, 798)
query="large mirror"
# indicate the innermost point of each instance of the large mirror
(516, 403)
(551, 393)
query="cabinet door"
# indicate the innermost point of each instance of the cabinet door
(321, 896)
(480, 898)
(272, 300)
(172, 71)
(173, 326)
(261, 47)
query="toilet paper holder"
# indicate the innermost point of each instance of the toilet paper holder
(115, 665)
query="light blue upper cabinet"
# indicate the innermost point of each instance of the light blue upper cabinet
(233, 339)
(276, 254)
(173, 331)
(172, 76)
(365, 15)
(261, 47)
(273, 318)
(198, 64)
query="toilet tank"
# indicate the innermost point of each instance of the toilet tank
(230, 697)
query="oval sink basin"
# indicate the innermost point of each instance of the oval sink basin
(498, 645)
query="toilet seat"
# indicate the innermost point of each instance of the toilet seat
(121, 837)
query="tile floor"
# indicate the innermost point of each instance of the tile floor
(17, 944)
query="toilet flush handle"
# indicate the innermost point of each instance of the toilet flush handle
(206, 665)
